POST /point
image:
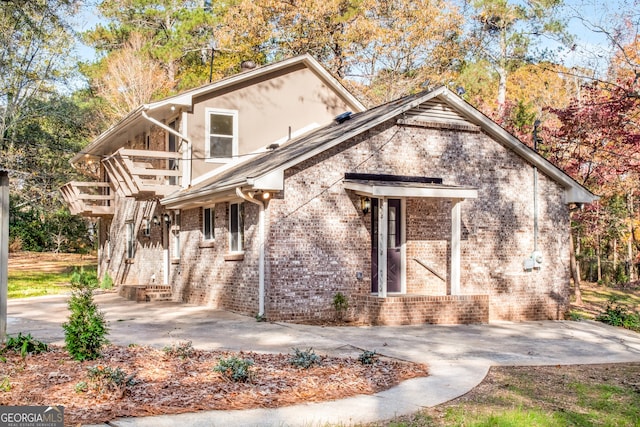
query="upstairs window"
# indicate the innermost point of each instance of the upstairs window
(208, 223)
(222, 134)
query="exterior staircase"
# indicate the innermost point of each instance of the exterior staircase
(158, 293)
(146, 293)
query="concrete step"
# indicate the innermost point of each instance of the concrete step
(158, 293)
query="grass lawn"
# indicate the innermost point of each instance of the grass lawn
(549, 396)
(37, 274)
(553, 396)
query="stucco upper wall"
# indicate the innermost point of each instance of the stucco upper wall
(295, 98)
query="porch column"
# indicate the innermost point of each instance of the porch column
(166, 260)
(383, 226)
(455, 246)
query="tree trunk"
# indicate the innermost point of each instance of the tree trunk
(633, 276)
(598, 258)
(575, 272)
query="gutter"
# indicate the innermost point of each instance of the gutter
(261, 242)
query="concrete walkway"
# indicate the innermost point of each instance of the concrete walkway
(459, 356)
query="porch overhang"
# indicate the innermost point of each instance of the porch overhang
(379, 189)
(384, 187)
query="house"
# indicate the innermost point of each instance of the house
(421, 210)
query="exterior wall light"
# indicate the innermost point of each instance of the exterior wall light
(156, 220)
(365, 203)
(166, 218)
(266, 195)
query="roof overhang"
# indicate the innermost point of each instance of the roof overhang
(379, 189)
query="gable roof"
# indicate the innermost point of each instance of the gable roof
(166, 106)
(266, 170)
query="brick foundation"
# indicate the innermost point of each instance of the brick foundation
(420, 309)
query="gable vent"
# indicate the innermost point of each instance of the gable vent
(438, 115)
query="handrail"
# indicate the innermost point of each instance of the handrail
(430, 269)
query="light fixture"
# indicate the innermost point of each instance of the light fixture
(166, 218)
(266, 195)
(365, 203)
(156, 220)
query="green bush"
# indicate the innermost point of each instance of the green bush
(235, 368)
(107, 281)
(105, 378)
(84, 279)
(183, 350)
(85, 332)
(340, 304)
(25, 345)
(368, 357)
(304, 359)
(619, 315)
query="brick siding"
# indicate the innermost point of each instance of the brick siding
(318, 241)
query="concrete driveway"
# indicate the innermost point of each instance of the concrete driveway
(459, 356)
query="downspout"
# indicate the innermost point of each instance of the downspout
(172, 131)
(261, 241)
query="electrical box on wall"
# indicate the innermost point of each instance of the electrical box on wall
(533, 262)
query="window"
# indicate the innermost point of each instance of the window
(208, 223)
(222, 134)
(130, 236)
(146, 227)
(236, 227)
(175, 236)
(173, 147)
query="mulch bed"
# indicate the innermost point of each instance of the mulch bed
(154, 381)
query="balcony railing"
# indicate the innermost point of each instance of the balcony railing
(92, 199)
(144, 174)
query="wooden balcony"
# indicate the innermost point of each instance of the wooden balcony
(91, 199)
(144, 174)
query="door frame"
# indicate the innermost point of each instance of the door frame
(383, 211)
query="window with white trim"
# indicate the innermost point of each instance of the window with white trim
(130, 240)
(236, 227)
(175, 236)
(208, 223)
(221, 142)
(146, 227)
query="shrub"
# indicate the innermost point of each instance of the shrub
(368, 357)
(340, 304)
(25, 345)
(84, 279)
(107, 379)
(107, 281)
(183, 350)
(235, 369)
(85, 332)
(619, 315)
(304, 359)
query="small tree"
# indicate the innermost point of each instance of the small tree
(85, 332)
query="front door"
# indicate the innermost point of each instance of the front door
(394, 244)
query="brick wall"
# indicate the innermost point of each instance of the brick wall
(412, 310)
(207, 273)
(319, 239)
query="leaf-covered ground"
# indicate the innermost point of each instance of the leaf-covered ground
(154, 381)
